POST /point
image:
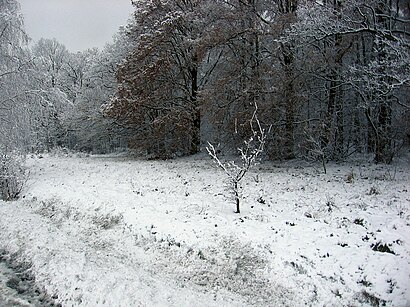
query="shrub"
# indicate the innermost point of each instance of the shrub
(12, 175)
(107, 221)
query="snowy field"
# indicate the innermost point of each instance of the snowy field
(115, 231)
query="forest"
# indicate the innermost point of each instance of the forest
(330, 78)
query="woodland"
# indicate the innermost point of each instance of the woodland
(327, 79)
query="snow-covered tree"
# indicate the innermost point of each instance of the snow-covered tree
(14, 62)
(160, 80)
(51, 58)
(31, 95)
(357, 76)
(250, 153)
(53, 88)
(88, 128)
(14, 112)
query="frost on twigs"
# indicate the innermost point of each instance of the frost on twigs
(12, 175)
(249, 154)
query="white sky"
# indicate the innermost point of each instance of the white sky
(78, 24)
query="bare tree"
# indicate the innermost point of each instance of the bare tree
(249, 154)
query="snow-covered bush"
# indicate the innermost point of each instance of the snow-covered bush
(12, 175)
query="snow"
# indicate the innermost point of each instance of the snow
(116, 231)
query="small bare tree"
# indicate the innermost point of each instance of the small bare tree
(249, 154)
(314, 148)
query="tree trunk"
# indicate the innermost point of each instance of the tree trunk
(383, 152)
(288, 7)
(236, 192)
(383, 148)
(335, 117)
(289, 103)
(196, 121)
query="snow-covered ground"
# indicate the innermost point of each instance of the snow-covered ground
(115, 231)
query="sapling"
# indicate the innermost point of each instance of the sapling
(249, 154)
(316, 150)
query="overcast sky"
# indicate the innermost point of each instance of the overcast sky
(78, 24)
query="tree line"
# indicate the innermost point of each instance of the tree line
(330, 78)
(52, 97)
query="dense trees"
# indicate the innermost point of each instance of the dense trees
(30, 97)
(364, 51)
(50, 97)
(330, 77)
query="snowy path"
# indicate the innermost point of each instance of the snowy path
(116, 232)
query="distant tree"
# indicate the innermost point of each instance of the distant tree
(286, 14)
(237, 83)
(89, 128)
(51, 63)
(51, 57)
(382, 75)
(74, 72)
